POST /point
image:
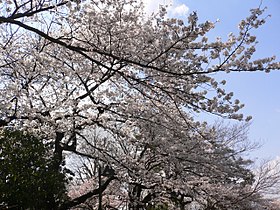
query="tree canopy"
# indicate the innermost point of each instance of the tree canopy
(108, 85)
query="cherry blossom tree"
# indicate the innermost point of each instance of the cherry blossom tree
(71, 68)
(202, 171)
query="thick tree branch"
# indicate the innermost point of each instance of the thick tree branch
(86, 196)
(82, 51)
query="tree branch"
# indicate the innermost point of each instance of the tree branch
(86, 196)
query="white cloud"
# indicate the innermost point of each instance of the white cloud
(153, 5)
(180, 10)
(175, 8)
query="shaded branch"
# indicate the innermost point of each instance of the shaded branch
(83, 198)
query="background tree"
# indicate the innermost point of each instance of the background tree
(27, 178)
(71, 67)
(208, 171)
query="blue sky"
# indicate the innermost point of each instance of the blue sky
(260, 92)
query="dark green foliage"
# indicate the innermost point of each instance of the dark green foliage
(158, 207)
(27, 178)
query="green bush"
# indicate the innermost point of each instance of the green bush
(27, 178)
